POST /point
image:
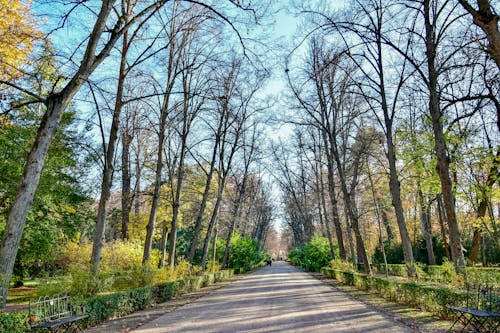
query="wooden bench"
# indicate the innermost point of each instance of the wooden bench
(53, 314)
(481, 311)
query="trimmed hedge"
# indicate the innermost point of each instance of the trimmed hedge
(104, 307)
(440, 274)
(429, 298)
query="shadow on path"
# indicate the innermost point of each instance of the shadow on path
(275, 299)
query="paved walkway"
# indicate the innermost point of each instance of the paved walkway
(275, 299)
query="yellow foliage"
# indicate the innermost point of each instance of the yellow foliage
(121, 269)
(18, 32)
(116, 256)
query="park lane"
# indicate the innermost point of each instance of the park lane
(275, 299)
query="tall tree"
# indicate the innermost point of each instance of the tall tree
(363, 34)
(127, 8)
(177, 40)
(249, 151)
(107, 29)
(55, 104)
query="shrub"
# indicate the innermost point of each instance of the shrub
(16, 322)
(244, 254)
(118, 255)
(313, 255)
(317, 254)
(445, 273)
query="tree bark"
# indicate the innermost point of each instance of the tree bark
(322, 210)
(394, 184)
(211, 226)
(351, 211)
(107, 177)
(425, 224)
(206, 192)
(171, 71)
(443, 160)
(333, 197)
(177, 198)
(163, 245)
(444, 231)
(486, 19)
(27, 186)
(150, 228)
(493, 176)
(126, 202)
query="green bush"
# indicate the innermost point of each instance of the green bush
(244, 254)
(16, 322)
(313, 255)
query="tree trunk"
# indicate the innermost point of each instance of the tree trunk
(214, 252)
(150, 228)
(333, 199)
(425, 224)
(444, 232)
(126, 203)
(56, 104)
(206, 192)
(492, 177)
(137, 186)
(443, 160)
(395, 189)
(378, 213)
(107, 177)
(211, 226)
(163, 246)
(177, 202)
(26, 188)
(386, 222)
(322, 209)
(351, 211)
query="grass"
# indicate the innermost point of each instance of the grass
(23, 294)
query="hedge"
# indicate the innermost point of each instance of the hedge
(433, 299)
(104, 307)
(439, 273)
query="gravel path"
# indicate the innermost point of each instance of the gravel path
(275, 299)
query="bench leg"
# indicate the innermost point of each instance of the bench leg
(478, 324)
(462, 318)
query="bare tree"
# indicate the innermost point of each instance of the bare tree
(177, 40)
(363, 35)
(249, 151)
(127, 8)
(235, 97)
(192, 104)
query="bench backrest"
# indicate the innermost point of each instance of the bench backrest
(484, 297)
(47, 309)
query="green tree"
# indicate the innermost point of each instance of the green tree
(60, 207)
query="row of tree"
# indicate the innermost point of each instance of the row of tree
(404, 93)
(177, 94)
